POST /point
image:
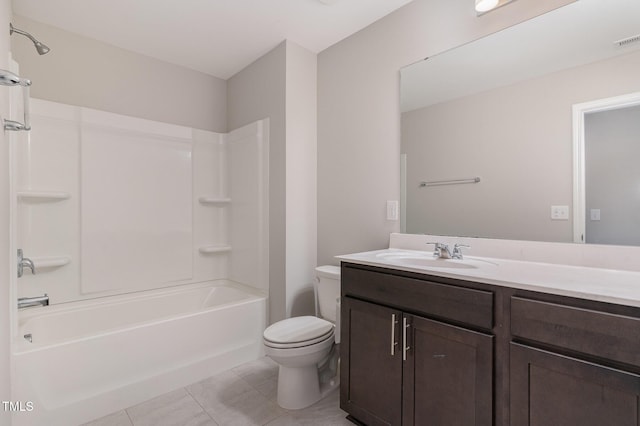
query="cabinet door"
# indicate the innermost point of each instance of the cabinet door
(371, 371)
(448, 375)
(552, 389)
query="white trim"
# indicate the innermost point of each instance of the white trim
(403, 193)
(579, 112)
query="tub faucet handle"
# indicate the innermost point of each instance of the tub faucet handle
(24, 261)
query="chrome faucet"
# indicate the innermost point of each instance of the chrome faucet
(442, 251)
(25, 302)
(24, 261)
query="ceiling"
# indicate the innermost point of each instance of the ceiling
(217, 37)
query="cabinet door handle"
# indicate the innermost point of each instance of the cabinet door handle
(405, 347)
(393, 334)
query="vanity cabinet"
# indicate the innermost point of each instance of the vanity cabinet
(403, 363)
(548, 388)
(424, 350)
(574, 366)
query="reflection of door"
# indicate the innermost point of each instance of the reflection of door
(606, 174)
(612, 176)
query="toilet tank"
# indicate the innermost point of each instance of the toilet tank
(327, 292)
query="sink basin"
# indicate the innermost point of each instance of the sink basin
(426, 260)
(435, 263)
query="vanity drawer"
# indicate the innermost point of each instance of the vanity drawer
(458, 304)
(597, 333)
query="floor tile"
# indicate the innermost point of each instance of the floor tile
(244, 396)
(221, 387)
(269, 388)
(176, 408)
(230, 400)
(119, 418)
(325, 412)
(248, 409)
(258, 371)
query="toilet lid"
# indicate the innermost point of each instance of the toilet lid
(297, 330)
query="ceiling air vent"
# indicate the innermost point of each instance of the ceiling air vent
(627, 41)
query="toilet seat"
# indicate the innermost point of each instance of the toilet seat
(327, 336)
(298, 332)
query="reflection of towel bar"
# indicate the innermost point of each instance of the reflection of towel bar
(449, 182)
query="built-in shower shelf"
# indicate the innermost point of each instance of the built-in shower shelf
(214, 249)
(43, 195)
(50, 262)
(214, 200)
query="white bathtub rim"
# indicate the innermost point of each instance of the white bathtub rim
(21, 346)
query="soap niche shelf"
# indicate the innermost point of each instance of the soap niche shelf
(214, 249)
(43, 196)
(214, 201)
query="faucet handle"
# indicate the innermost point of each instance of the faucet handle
(457, 250)
(441, 250)
(437, 248)
(439, 245)
(24, 261)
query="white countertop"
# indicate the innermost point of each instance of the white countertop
(604, 285)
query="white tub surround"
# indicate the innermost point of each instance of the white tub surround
(90, 358)
(108, 204)
(524, 265)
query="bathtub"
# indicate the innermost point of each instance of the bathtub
(82, 360)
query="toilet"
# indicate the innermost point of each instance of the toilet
(306, 348)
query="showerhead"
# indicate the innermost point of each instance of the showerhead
(41, 48)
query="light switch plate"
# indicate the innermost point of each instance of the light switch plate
(595, 214)
(560, 212)
(392, 210)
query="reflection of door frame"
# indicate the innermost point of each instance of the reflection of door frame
(579, 112)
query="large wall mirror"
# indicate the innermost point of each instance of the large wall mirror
(487, 130)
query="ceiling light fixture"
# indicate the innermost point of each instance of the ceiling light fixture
(484, 6)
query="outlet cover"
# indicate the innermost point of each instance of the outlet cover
(560, 212)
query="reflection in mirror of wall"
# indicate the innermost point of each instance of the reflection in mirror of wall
(501, 108)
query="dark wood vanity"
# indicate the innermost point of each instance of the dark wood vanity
(422, 350)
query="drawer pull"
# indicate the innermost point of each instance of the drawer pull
(393, 334)
(405, 347)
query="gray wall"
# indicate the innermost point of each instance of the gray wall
(301, 177)
(258, 92)
(5, 302)
(359, 117)
(518, 138)
(281, 85)
(612, 150)
(85, 72)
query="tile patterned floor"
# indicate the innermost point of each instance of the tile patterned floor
(243, 396)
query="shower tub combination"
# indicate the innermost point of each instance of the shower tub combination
(157, 276)
(82, 360)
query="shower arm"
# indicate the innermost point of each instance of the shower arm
(41, 48)
(13, 29)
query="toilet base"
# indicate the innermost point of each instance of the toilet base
(300, 387)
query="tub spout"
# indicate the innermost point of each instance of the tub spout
(25, 302)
